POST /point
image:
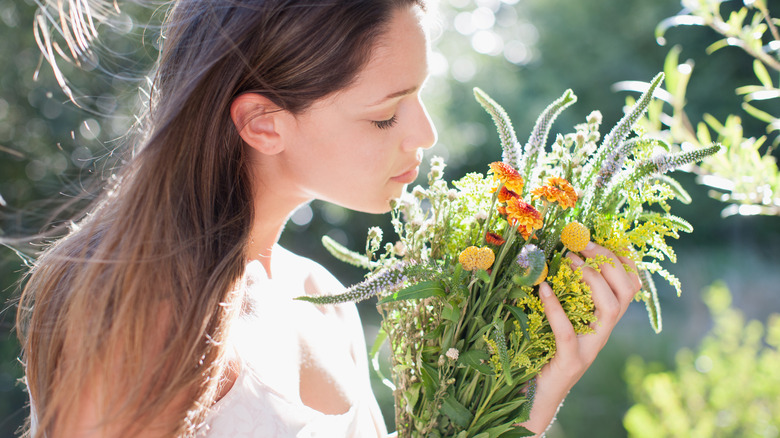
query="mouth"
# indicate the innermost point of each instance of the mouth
(408, 176)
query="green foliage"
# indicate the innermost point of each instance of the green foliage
(728, 387)
(745, 173)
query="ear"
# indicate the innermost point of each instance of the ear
(255, 118)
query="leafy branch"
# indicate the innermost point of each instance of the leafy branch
(745, 173)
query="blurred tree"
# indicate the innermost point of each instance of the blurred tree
(745, 173)
(728, 387)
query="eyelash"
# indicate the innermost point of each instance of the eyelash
(385, 124)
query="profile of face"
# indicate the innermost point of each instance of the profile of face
(360, 146)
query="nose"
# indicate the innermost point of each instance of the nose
(422, 134)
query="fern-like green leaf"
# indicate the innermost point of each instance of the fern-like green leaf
(680, 193)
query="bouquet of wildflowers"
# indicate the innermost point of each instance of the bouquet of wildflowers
(457, 293)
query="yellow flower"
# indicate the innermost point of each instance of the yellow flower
(508, 175)
(521, 214)
(575, 236)
(473, 258)
(557, 190)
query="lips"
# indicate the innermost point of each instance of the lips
(408, 175)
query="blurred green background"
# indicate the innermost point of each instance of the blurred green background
(524, 53)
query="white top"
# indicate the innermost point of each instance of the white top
(280, 342)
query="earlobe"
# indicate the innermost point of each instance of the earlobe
(255, 119)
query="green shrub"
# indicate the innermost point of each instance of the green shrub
(728, 387)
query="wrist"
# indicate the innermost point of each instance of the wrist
(547, 401)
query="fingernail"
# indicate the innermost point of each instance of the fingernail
(545, 290)
(590, 246)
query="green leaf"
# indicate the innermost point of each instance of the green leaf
(413, 394)
(430, 380)
(425, 289)
(458, 413)
(517, 292)
(451, 312)
(671, 71)
(650, 296)
(757, 113)
(517, 432)
(381, 336)
(717, 45)
(435, 333)
(747, 89)
(484, 276)
(677, 20)
(496, 413)
(474, 358)
(521, 318)
(480, 332)
(703, 134)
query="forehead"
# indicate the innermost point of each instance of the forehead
(398, 61)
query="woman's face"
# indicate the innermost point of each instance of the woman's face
(359, 147)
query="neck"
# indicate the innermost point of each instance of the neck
(271, 213)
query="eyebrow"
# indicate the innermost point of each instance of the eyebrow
(396, 94)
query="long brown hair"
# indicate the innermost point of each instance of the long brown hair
(142, 291)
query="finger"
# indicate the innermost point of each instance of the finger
(614, 273)
(570, 348)
(632, 271)
(565, 336)
(636, 282)
(607, 304)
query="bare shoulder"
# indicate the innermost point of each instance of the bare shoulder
(319, 281)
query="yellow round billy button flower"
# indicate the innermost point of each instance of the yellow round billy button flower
(542, 276)
(473, 258)
(575, 236)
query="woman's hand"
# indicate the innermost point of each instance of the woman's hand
(612, 289)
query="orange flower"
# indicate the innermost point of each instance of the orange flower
(521, 214)
(507, 175)
(557, 190)
(494, 239)
(504, 194)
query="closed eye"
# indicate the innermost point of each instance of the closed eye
(385, 124)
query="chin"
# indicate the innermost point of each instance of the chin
(374, 206)
(380, 208)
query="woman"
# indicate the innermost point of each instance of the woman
(167, 311)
